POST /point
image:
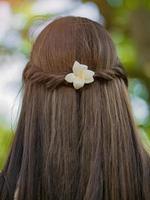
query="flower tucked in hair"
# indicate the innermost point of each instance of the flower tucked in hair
(80, 75)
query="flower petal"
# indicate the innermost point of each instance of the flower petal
(90, 80)
(89, 76)
(78, 83)
(78, 68)
(70, 77)
(85, 67)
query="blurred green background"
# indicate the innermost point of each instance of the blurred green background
(21, 21)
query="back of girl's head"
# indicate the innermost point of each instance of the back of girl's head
(73, 38)
(75, 144)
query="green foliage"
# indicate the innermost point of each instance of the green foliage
(5, 142)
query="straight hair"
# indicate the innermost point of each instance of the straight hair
(75, 144)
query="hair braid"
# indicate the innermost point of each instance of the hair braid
(51, 81)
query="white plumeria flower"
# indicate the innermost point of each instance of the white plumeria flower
(80, 75)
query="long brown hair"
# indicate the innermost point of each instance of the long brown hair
(75, 144)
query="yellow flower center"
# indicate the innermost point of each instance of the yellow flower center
(82, 75)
